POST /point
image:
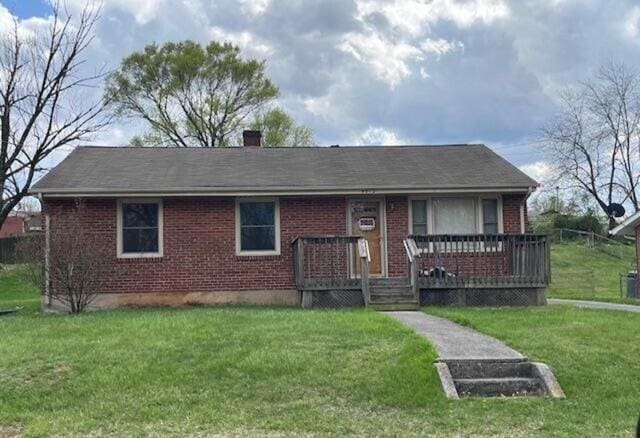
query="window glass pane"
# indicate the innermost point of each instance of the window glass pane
(419, 229)
(139, 215)
(258, 238)
(454, 215)
(139, 240)
(419, 212)
(257, 213)
(490, 216)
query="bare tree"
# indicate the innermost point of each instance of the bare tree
(41, 109)
(72, 264)
(594, 142)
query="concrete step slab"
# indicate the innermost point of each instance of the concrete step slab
(464, 369)
(495, 387)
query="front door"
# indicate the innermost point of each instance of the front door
(366, 221)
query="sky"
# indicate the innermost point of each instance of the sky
(391, 71)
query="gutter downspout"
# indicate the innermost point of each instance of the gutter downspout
(523, 227)
(47, 250)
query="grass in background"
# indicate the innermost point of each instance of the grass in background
(16, 292)
(581, 272)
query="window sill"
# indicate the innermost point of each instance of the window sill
(258, 256)
(147, 257)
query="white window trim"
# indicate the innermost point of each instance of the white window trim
(477, 206)
(239, 251)
(480, 213)
(139, 255)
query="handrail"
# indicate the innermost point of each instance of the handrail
(484, 260)
(413, 254)
(365, 259)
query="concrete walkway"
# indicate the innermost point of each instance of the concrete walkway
(455, 342)
(596, 305)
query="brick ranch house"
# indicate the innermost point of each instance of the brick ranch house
(389, 227)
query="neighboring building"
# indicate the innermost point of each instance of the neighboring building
(19, 223)
(13, 226)
(631, 227)
(282, 225)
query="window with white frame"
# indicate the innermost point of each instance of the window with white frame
(490, 223)
(454, 216)
(257, 227)
(419, 217)
(139, 228)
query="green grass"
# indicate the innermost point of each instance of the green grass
(16, 292)
(581, 272)
(594, 355)
(257, 371)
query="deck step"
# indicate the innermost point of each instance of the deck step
(381, 299)
(495, 387)
(391, 291)
(397, 281)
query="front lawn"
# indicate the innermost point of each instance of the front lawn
(257, 371)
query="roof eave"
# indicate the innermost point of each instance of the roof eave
(627, 226)
(272, 191)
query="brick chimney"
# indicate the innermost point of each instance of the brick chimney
(252, 138)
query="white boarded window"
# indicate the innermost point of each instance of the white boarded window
(454, 216)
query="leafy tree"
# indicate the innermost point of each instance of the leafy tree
(280, 129)
(41, 106)
(188, 94)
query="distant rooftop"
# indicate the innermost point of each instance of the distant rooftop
(254, 170)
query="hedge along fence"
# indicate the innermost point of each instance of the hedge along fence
(8, 246)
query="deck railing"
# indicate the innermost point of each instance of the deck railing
(327, 262)
(483, 260)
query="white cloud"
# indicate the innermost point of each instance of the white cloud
(440, 46)
(254, 7)
(631, 25)
(378, 136)
(144, 11)
(250, 45)
(388, 60)
(413, 16)
(541, 171)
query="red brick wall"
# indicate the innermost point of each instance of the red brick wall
(199, 242)
(511, 213)
(12, 226)
(199, 245)
(397, 214)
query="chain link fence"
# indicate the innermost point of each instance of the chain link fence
(587, 265)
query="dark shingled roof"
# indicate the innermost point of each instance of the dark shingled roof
(384, 169)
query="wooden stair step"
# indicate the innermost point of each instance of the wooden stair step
(384, 299)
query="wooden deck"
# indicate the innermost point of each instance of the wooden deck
(339, 265)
